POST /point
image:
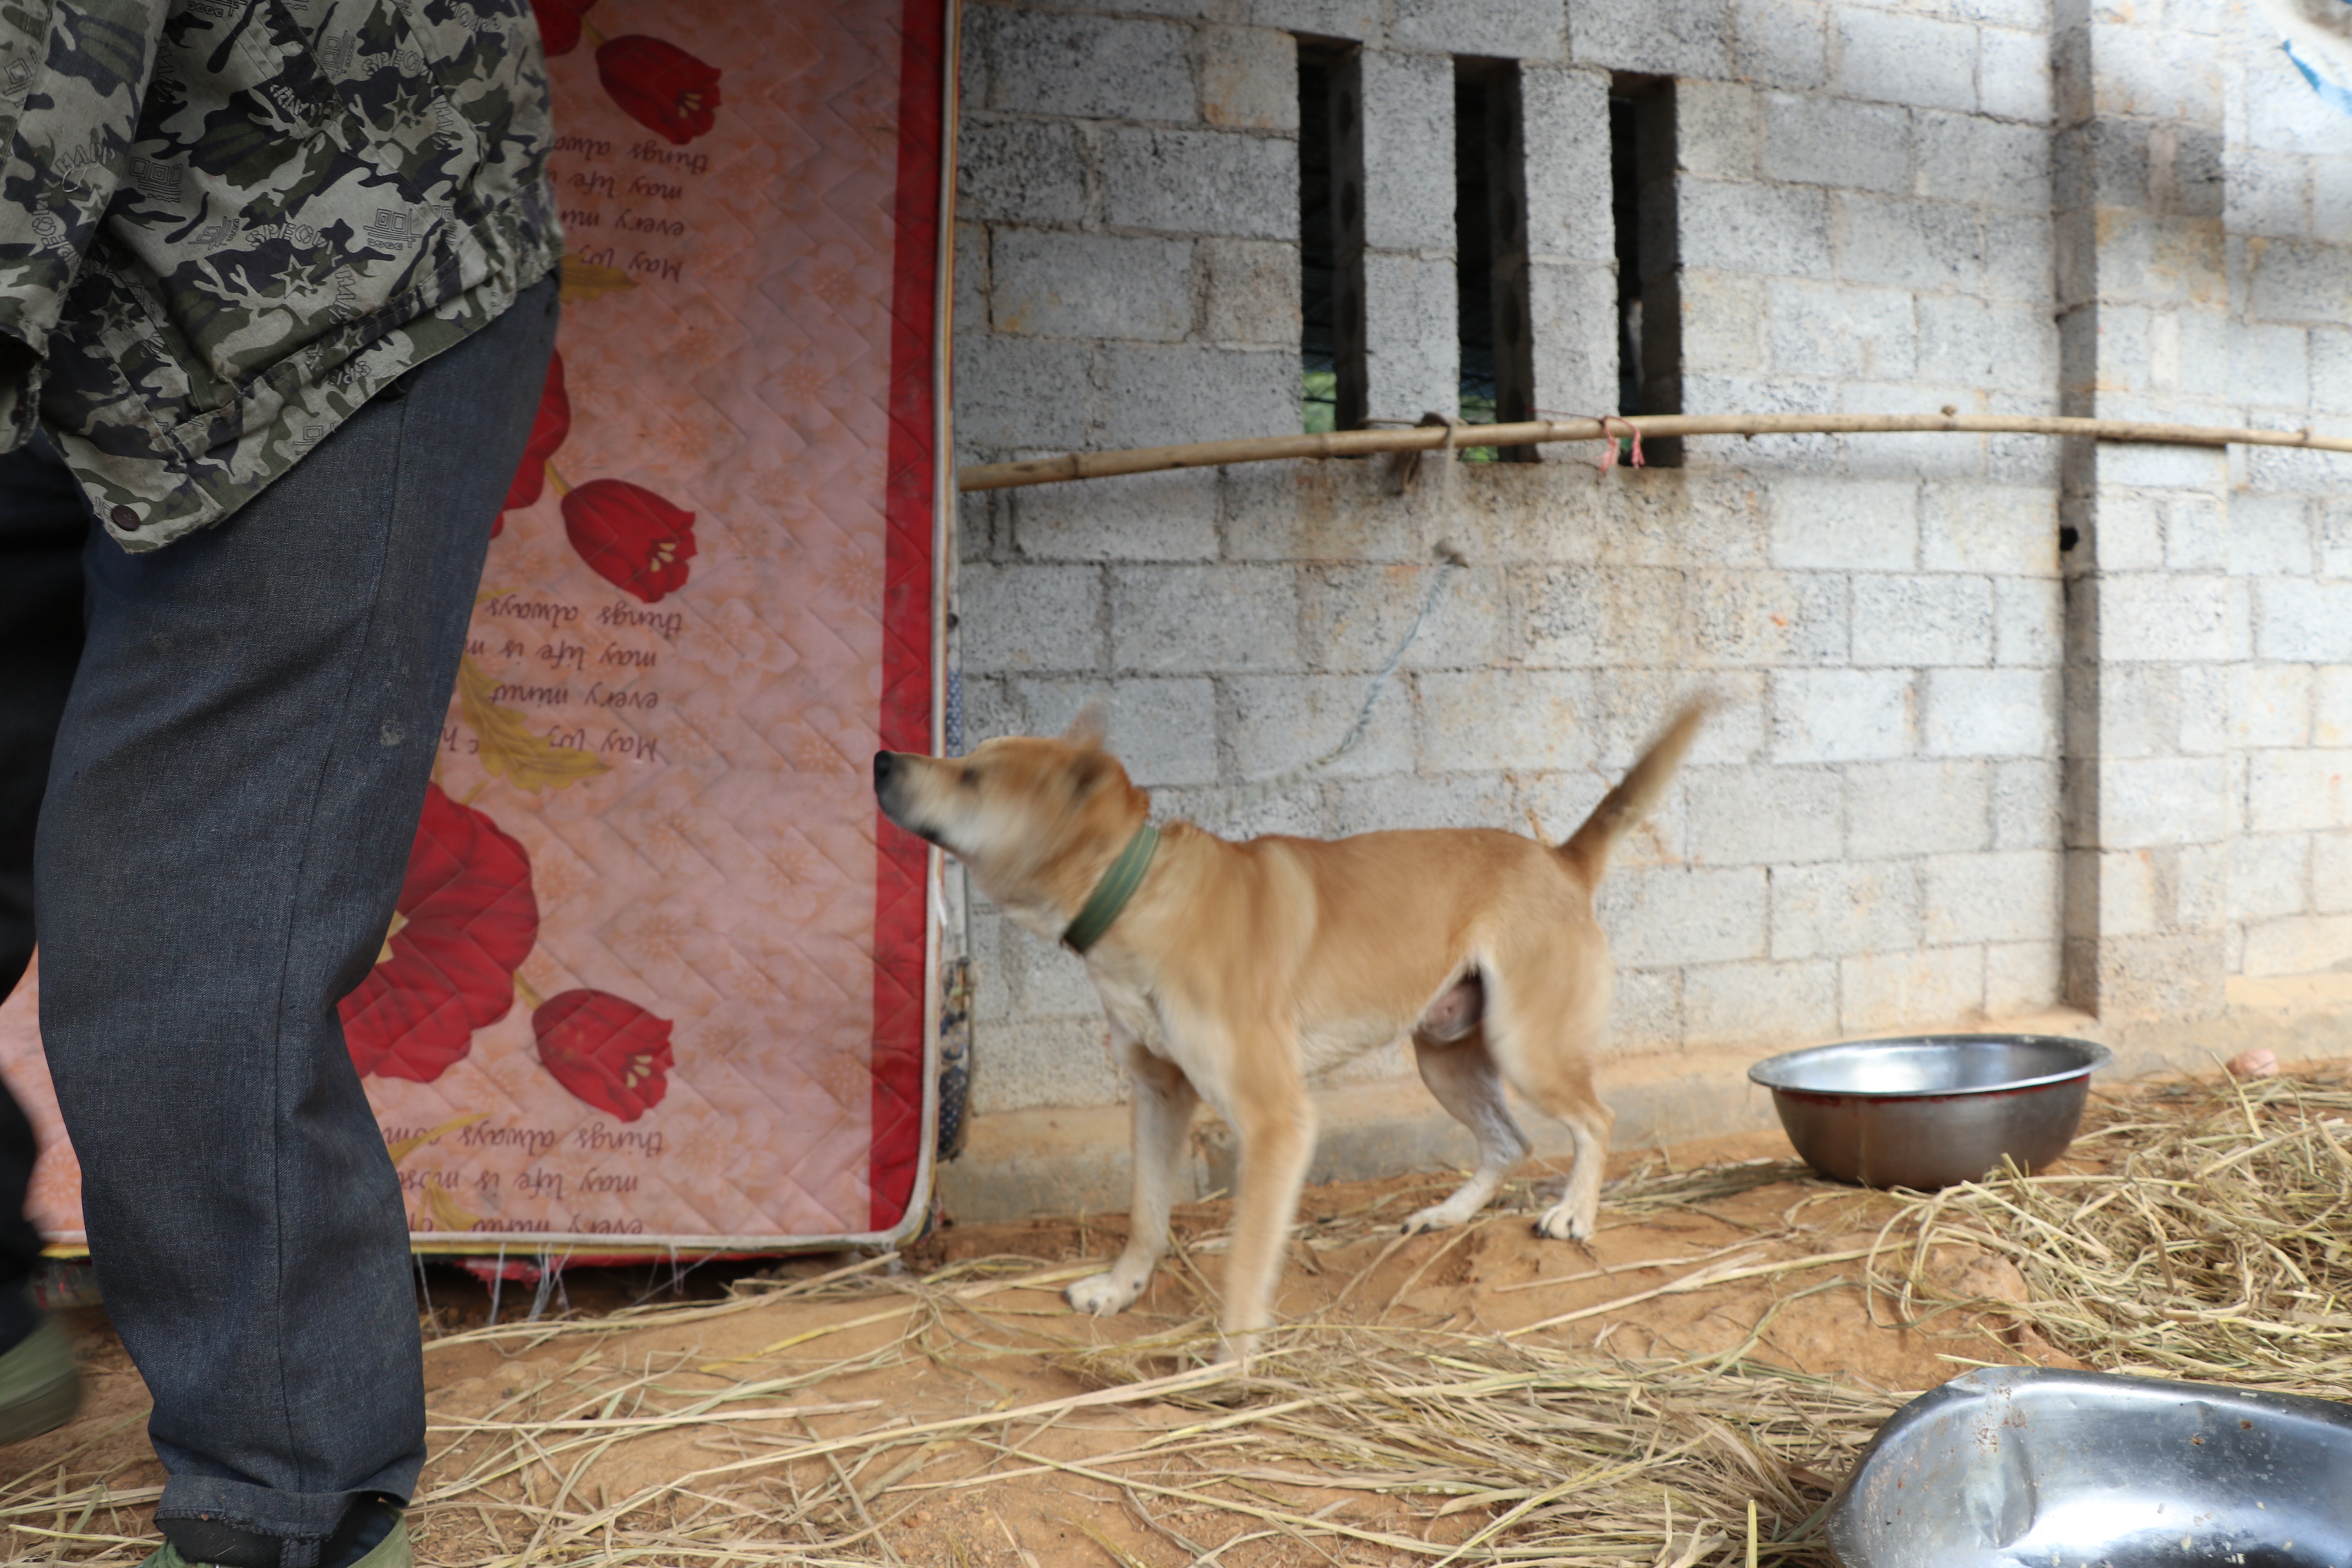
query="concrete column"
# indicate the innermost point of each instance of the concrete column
(1412, 341)
(2143, 317)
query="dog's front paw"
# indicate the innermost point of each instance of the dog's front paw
(1562, 1223)
(1103, 1294)
(1436, 1217)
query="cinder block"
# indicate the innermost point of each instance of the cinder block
(1408, 152)
(2268, 366)
(1781, 43)
(1775, 229)
(1843, 525)
(1584, 615)
(1041, 1062)
(2023, 977)
(1672, 38)
(1046, 981)
(2000, 529)
(2271, 534)
(1840, 715)
(2300, 944)
(1989, 898)
(2148, 617)
(1029, 617)
(1633, 706)
(1507, 29)
(1819, 329)
(1012, 393)
(1552, 805)
(1678, 915)
(2158, 73)
(1495, 720)
(1930, 455)
(2146, 802)
(2196, 533)
(1969, 342)
(1844, 907)
(1759, 1004)
(1212, 619)
(1412, 800)
(1249, 78)
(2331, 872)
(1412, 345)
(1916, 808)
(1727, 320)
(2296, 619)
(2204, 709)
(1935, 985)
(2270, 704)
(2128, 530)
(1646, 1013)
(2114, 895)
(1719, 129)
(1162, 396)
(2335, 538)
(970, 276)
(1965, 158)
(1053, 285)
(1762, 454)
(1946, 619)
(1357, 618)
(1286, 721)
(1906, 60)
(2025, 804)
(1318, 511)
(2270, 875)
(2013, 75)
(2270, 195)
(1572, 318)
(1201, 183)
(2294, 792)
(2136, 711)
(2298, 280)
(1320, 18)
(1042, 62)
(1763, 815)
(1020, 170)
(2331, 706)
(1991, 713)
(2019, 260)
(1768, 618)
(1909, 244)
(1164, 731)
(1834, 142)
(2164, 468)
(1564, 120)
(1244, 811)
(1130, 517)
(1253, 291)
(2331, 369)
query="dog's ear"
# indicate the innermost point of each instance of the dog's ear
(1088, 730)
(1088, 771)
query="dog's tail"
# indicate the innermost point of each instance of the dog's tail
(1635, 796)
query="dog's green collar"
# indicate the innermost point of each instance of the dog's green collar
(1110, 894)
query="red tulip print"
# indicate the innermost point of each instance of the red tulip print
(548, 426)
(660, 85)
(632, 536)
(558, 23)
(608, 1051)
(467, 920)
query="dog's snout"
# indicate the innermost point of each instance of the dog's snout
(881, 769)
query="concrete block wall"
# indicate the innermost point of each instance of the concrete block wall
(1882, 208)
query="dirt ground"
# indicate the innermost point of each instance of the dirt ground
(543, 1432)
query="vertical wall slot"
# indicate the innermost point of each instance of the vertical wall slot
(1642, 163)
(1490, 226)
(1334, 391)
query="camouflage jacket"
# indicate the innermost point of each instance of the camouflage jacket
(226, 224)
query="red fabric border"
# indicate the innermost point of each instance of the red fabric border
(902, 859)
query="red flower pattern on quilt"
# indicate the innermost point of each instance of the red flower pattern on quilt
(632, 536)
(608, 1051)
(548, 426)
(660, 85)
(467, 920)
(559, 24)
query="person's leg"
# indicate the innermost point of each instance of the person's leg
(44, 523)
(237, 780)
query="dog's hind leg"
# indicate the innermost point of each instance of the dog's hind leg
(1164, 1101)
(1462, 1077)
(1547, 1010)
(1569, 1096)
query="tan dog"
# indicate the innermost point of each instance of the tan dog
(1232, 972)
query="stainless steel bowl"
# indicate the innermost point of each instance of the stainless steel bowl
(1933, 1109)
(2019, 1466)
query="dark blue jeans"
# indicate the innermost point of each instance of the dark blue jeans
(241, 745)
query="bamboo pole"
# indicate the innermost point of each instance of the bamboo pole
(1429, 437)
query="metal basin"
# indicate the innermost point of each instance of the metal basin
(2011, 1467)
(1934, 1109)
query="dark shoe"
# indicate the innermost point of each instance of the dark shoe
(391, 1552)
(39, 1388)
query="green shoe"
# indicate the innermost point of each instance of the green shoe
(391, 1552)
(40, 1389)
